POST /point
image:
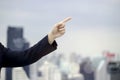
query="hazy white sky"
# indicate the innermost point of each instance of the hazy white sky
(95, 24)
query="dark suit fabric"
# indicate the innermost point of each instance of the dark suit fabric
(9, 58)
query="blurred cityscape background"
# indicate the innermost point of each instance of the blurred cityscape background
(90, 49)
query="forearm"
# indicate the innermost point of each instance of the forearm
(29, 56)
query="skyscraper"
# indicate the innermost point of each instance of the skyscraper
(87, 69)
(16, 41)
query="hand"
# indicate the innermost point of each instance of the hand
(58, 30)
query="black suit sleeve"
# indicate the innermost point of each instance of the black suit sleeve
(29, 56)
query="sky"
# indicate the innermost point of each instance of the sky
(95, 24)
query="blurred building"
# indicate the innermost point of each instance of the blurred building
(19, 74)
(109, 67)
(75, 77)
(87, 69)
(49, 72)
(113, 70)
(2, 74)
(101, 71)
(16, 42)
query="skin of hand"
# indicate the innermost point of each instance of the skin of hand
(58, 30)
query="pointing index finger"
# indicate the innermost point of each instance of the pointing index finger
(66, 20)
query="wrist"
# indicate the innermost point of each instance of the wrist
(51, 38)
